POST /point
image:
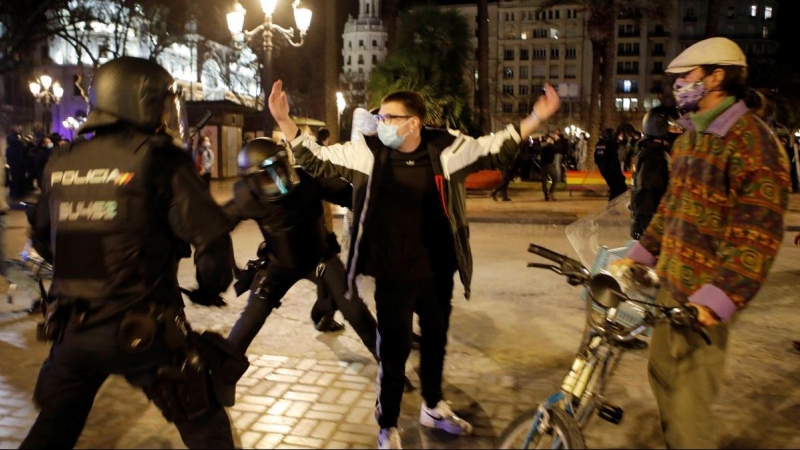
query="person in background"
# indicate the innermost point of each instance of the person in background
(549, 172)
(203, 157)
(606, 157)
(715, 235)
(652, 167)
(16, 151)
(581, 150)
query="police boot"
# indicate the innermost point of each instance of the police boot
(328, 325)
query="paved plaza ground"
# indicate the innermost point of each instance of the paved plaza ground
(510, 345)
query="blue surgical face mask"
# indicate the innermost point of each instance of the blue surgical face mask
(387, 133)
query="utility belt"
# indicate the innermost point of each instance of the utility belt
(203, 368)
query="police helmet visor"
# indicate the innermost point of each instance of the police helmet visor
(175, 120)
(276, 177)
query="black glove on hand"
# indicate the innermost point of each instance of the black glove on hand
(202, 298)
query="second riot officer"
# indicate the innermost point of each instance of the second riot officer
(115, 210)
(287, 205)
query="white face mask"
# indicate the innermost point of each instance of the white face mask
(387, 133)
(207, 144)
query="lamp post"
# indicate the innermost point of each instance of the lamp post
(340, 105)
(46, 92)
(235, 18)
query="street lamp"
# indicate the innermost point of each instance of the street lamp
(235, 18)
(340, 105)
(47, 92)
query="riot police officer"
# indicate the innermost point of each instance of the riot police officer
(115, 211)
(287, 204)
(652, 165)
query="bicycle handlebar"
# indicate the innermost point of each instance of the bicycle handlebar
(547, 254)
(576, 273)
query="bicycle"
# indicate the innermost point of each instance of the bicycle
(562, 416)
(30, 269)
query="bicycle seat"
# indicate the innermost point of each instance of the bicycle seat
(605, 291)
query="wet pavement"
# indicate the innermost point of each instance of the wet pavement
(510, 345)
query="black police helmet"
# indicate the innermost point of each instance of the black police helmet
(266, 166)
(132, 90)
(657, 121)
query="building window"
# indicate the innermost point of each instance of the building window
(508, 107)
(350, 44)
(658, 67)
(558, 12)
(374, 59)
(361, 43)
(361, 59)
(349, 61)
(539, 53)
(765, 32)
(523, 54)
(627, 104)
(523, 35)
(523, 72)
(553, 33)
(571, 53)
(508, 72)
(550, 14)
(508, 55)
(374, 43)
(508, 89)
(731, 12)
(768, 12)
(753, 10)
(523, 108)
(523, 89)
(553, 53)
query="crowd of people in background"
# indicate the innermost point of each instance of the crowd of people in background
(26, 157)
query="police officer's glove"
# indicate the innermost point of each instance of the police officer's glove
(202, 298)
(333, 244)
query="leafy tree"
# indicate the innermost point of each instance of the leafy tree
(432, 50)
(484, 118)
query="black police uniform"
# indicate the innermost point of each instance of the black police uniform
(113, 215)
(650, 183)
(296, 248)
(607, 159)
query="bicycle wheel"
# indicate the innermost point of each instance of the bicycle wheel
(562, 432)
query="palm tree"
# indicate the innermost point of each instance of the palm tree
(484, 118)
(433, 48)
(712, 23)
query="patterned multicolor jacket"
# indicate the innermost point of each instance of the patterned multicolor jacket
(719, 227)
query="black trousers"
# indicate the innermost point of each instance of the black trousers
(396, 302)
(73, 373)
(615, 179)
(276, 280)
(508, 175)
(549, 172)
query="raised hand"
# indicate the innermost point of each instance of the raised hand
(548, 104)
(278, 104)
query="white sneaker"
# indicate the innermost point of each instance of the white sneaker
(443, 418)
(389, 438)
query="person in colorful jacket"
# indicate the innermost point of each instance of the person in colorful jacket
(410, 232)
(716, 232)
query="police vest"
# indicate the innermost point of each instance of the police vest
(109, 231)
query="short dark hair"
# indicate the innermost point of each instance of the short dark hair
(411, 101)
(322, 134)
